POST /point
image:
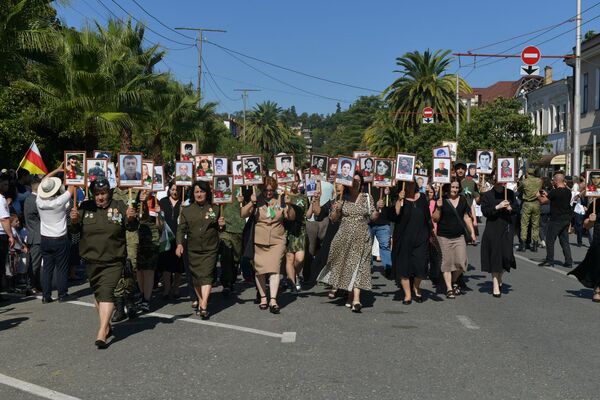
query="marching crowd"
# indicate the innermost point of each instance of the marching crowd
(133, 241)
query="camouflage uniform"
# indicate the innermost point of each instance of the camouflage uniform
(530, 211)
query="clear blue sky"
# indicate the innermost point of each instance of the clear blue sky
(355, 42)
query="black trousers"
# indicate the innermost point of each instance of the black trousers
(55, 257)
(34, 267)
(558, 229)
(229, 269)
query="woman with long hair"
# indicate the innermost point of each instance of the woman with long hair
(168, 262)
(349, 263)
(200, 223)
(411, 241)
(269, 239)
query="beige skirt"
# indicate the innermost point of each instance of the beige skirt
(454, 254)
(267, 258)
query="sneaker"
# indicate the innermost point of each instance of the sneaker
(543, 244)
(144, 306)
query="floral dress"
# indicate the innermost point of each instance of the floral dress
(349, 262)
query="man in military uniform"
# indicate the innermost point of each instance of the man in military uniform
(230, 246)
(127, 286)
(530, 211)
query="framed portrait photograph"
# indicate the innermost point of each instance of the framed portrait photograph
(158, 182)
(367, 168)
(204, 167)
(453, 146)
(592, 183)
(111, 175)
(187, 150)
(75, 168)
(103, 154)
(332, 169)
(147, 174)
(311, 184)
(240, 156)
(223, 189)
(360, 153)
(253, 172)
(472, 171)
(221, 166)
(345, 170)
(485, 161)
(505, 170)
(238, 173)
(441, 152)
(130, 169)
(441, 170)
(318, 166)
(96, 168)
(421, 181)
(183, 173)
(384, 172)
(405, 167)
(284, 168)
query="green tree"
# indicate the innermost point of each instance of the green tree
(424, 83)
(266, 129)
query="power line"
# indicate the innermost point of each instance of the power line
(292, 70)
(283, 82)
(160, 22)
(147, 27)
(210, 75)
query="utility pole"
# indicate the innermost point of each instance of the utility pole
(199, 32)
(577, 96)
(245, 99)
(457, 108)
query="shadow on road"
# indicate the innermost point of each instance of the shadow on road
(581, 293)
(11, 323)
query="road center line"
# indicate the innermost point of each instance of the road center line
(467, 322)
(34, 389)
(286, 337)
(548, 268)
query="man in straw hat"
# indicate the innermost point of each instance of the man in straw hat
(53, 203)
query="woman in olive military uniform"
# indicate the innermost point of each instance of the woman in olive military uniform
(148, 248)
(102, 223)
(296, 237)
(200, 223)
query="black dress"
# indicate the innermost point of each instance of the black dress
(588, 271)
(497, 241)
(168, 260)
(410, 253)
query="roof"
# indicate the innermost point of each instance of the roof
(503, 89)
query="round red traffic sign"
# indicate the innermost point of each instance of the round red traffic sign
(428, 112)
(531, 55)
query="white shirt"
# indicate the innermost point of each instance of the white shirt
(53, 215)
(4, 212)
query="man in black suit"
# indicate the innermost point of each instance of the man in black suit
(34, 239)
(441, 170)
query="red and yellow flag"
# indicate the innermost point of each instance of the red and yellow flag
(32, 161)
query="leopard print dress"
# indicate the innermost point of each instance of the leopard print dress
(349, 262)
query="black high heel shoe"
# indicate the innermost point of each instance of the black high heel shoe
(263, 306)
(101, 344)
(274, 308)
(204, 314)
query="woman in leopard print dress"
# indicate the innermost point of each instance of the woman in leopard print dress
(349, 263)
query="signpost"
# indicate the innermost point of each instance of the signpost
(530, 56)
(428, 115)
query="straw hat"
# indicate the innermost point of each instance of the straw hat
(49, 187)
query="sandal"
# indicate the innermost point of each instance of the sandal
(332, 294)
(596, 296)
(263, 306)
(195, 304)
(204, 314)
(456, 289)
(356, 307)
(274, 308)
(450, 294)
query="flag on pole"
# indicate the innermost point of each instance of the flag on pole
(32, 161)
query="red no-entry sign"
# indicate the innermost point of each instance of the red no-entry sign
(531, 55)
(427, 112)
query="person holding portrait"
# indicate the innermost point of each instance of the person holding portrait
(269, 239)
(198, 234)
(129, 171)
(168, 262)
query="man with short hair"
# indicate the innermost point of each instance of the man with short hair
(6, 238)
(53, 203)
(34, 239)
(130, 166)
(530, 210)
(560, 219)
(485, 160)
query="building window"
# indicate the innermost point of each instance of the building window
(597, 91)
(584, 94)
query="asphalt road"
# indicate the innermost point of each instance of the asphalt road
(539, 341)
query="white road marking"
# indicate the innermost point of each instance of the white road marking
(548, 268)
(286, 337)
(467, 322)
(35, 389)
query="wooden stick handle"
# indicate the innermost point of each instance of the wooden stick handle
(505, 193)
(387, 200)
(130, 198)
(403, 185)
(75, 198)
(594, 207)
(220, 210)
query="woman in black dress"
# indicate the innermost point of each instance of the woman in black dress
(412, 229)
(588, 271)
(497, 242)
(168, 262)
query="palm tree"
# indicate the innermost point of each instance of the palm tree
(424, 83)
(383, 138)
(266, 129)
